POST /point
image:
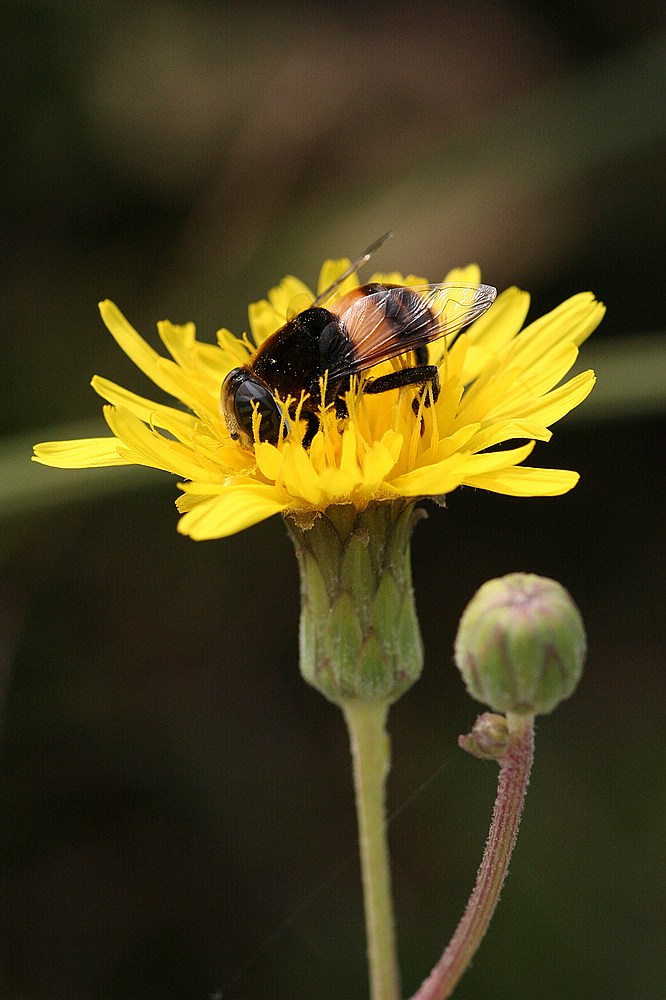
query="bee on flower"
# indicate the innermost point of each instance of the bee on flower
(395, 389)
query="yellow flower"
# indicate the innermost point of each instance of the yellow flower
(499, 384)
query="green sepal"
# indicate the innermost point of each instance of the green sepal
(357, 574)
(385, 613)
(374, 678)
(342, 642)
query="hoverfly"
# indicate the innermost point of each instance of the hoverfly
(314, 356)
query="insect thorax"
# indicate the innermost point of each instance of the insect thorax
(298, 355)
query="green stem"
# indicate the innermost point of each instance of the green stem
(515, 768)
(370, 750)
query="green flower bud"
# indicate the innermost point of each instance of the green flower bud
(359, 634)
(521, 644)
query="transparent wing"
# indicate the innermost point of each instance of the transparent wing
(388, 322)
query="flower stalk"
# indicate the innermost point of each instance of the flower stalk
(515, 767)
(370, 748)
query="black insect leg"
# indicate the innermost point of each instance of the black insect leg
(312, 421)
(341, 410)
(420, 375)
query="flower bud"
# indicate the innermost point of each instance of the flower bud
(521, 644)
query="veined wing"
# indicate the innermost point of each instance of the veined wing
(392, 320)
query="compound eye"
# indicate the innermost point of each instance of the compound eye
(249, 396)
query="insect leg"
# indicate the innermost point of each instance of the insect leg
(341, 410)
(313, 426)
(419, 375)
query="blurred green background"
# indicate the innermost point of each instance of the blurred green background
(177, 818)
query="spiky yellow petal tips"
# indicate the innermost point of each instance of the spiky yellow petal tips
(500, 384)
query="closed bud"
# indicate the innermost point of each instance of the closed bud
(521, 644)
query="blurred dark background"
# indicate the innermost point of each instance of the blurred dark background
(177, 818)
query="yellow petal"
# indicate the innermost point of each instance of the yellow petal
(86, 453)
(150, 448)
(291, 296)
(136, 348)
(523, 481)
(396, 278)
(509, 430)
(199, 395)
(195, 391)
(571, 322)
(556, 404)
(330, 272)
(207, 360)
(470, 274)
(236, 350)
(488, 392)
(382, 458)
(431, 480)
(491, 461)
(300, 479)
(269, 460)
(237, 508)
(263, 321)
(460, 440)
(144, 409)
(539, 379)
(494, 330)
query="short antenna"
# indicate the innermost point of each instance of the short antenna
(359, 262)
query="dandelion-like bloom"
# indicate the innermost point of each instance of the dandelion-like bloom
(499, 384)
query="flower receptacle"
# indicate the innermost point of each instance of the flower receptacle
(359, 634)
